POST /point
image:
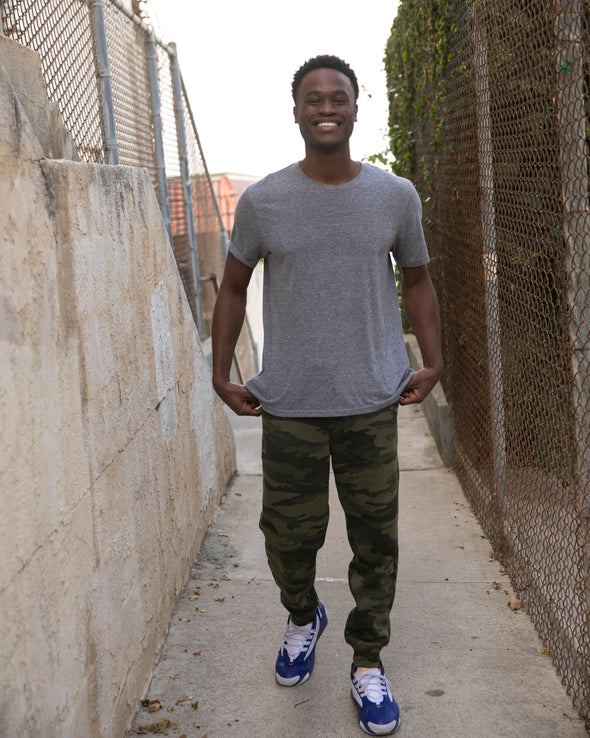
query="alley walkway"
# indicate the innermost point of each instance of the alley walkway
(461, 662)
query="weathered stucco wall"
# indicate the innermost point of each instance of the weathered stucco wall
(113, 449)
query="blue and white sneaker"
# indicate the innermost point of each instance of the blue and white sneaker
(297, 654)
(371, 690)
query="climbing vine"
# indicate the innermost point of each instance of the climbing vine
(416, 56)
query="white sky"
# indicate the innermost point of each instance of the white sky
(238, 59)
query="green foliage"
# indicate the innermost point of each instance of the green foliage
(416, 57)
(406, 327)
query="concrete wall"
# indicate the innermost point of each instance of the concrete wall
(113, 449)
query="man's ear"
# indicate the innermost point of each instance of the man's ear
(295, 113)
(356, 110)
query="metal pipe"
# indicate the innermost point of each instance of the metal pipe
(186, 184)
(104, 81)
(152, 65)
(574, 156)
(490, 262)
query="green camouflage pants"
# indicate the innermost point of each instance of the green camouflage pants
(296, 462)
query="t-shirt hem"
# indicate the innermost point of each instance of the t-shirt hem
(331, 413)
(411, 264)
(233, 249)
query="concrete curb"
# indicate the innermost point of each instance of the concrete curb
(436, 410)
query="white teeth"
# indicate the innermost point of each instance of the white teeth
(327, 124)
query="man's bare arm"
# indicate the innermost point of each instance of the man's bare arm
(421, 307)
(228, 318)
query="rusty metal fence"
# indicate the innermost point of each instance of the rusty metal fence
(507, 217)
(121, 95)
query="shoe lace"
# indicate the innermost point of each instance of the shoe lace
(297, 638)
(372, 684)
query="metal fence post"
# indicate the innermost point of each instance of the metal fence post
(576, 226)
(186, 182)
(152, 64)
(104, 80)
(490, 260)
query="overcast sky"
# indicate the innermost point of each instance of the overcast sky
(238, 59)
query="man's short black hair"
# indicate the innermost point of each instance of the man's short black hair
(324, 61)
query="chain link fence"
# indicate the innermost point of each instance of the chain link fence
(120, 93)
(506, 204)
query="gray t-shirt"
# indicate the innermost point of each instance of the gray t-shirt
(333, 342)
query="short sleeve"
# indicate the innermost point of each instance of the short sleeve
(246, 241)
(409, 249)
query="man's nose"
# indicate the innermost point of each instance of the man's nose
(326, 106)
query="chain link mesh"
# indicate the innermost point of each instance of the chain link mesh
(131, 91)
(209, 237)
(61, 32)
(508, 224)
(178, 214)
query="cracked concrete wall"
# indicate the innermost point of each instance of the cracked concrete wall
(114, 451)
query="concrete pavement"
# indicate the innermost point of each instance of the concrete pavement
(461, 662)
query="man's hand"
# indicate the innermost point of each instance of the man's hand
(238, 398)
(419, 386)
(228, 317)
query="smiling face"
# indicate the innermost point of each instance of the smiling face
(325, 109)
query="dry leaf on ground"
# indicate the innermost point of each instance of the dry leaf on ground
(158, 726)
(514, 604)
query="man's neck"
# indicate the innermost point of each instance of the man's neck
(330, 168)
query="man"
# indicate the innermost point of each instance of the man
(334, 370)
